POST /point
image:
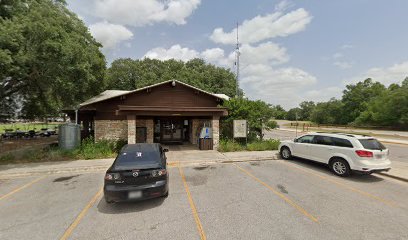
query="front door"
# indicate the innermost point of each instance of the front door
(171, 130)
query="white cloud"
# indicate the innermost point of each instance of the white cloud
(110, 35)
(283, 5)
(213, 54)
(343, 64)
(140, 13)
(174, 52)
(259, 28)
(259, 78)
(324, 94)
(338, 55)
(386, 75)
(347, 46)
(276, 85)
(265, 53)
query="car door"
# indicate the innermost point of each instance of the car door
(322, 148)
(301, 147)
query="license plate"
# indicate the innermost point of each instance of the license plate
(379, 156)
(135, 195)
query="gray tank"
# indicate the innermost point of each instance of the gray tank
(69, 136)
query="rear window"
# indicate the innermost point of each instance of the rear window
(138, 159)
(339, 142)
(372, 144)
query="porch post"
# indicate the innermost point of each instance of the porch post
(131, 120)
(216, 131)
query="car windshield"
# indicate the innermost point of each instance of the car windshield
(372, 144)
(137, 157)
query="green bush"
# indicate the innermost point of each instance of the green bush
(89, 149)
(104, 148)
(271, 144)
(230, 146)
(6, 158)
(257, 145)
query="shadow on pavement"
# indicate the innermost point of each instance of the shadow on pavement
(323, 168)
(128, 207)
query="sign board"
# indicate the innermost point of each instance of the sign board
(240, 128)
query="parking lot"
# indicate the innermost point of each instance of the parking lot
(246, 200)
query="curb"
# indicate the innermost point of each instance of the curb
(398, 143)
(56, 171)
(88, 169)
(394, 177)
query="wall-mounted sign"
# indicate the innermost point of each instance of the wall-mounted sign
(240, 128)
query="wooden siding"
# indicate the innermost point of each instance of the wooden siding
(164, 95)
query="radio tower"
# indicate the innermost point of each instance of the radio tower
(237, 53)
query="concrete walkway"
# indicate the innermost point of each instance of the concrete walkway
(175, 157)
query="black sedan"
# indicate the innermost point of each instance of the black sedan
(138, 172)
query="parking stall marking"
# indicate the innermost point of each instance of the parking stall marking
(286, 199)
(192, 205)
(21, 188)
(353, 189)
(81, 215)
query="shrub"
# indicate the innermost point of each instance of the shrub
(257, 145)
(104, 148)
(6, 158)
(230, 146)
(271, 144)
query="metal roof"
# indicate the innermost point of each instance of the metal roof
(108, 94)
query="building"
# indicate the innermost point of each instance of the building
(167, 112)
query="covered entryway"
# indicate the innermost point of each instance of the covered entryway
(168, 112)
(171, 130)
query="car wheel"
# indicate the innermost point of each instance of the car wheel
(340, 167)
(285, 153)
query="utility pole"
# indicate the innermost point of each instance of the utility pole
(237, 53)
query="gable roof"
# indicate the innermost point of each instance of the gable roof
(108, 94)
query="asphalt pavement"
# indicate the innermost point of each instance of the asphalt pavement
(244, 200)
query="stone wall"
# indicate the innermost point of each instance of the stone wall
(215, 123)
(131, 129)
(111, 129)
(148, 123)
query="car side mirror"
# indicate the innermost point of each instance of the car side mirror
(165, 149)
(295, 140)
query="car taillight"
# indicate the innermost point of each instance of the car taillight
(112, 176)
(364, 153)
(158, 173)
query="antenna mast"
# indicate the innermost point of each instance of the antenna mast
(237, 53)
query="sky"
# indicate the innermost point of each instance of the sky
(290, 51)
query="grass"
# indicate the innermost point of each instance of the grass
(88, 150)
(26, 126)
(258, 145)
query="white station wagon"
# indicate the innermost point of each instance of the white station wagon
(343, 153)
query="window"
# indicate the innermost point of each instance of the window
(339, 142)
(305, 139)
(372, 144)
(323, 140)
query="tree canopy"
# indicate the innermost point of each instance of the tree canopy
(364, 103)
(129, 74)
(48, 58)
(257, 113)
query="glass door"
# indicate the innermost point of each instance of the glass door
(171, 130)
